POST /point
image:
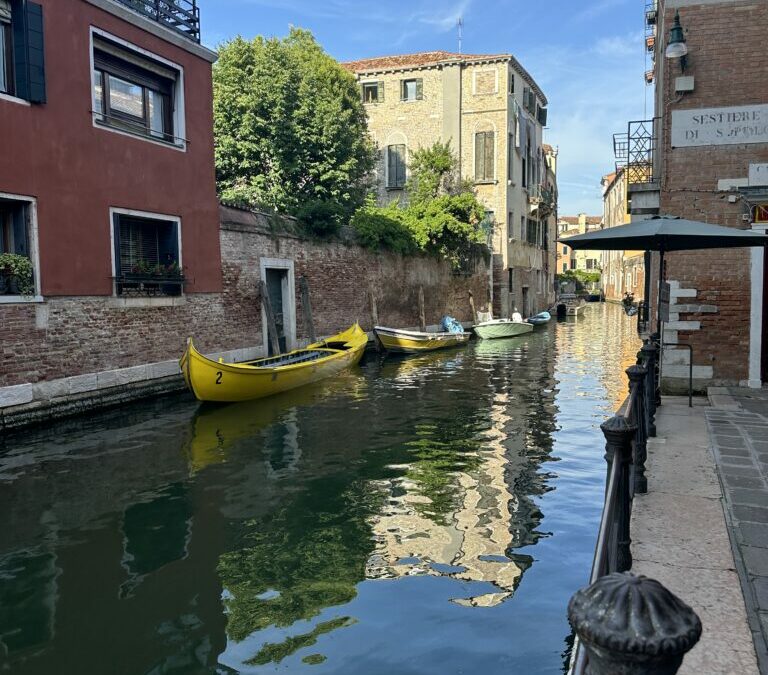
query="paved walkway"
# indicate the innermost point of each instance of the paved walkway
(680, 537)
(738, 424)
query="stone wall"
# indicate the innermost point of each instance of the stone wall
(66, 349)
(714, 315)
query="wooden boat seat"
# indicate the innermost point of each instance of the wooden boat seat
(288, 359)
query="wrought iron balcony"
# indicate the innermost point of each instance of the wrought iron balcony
(635, 151)
(181, 16)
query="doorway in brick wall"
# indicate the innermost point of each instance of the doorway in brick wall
(278, 276)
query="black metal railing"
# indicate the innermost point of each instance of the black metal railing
(149, 285)
(626, 435)
(635, 151)
(643, 317)
(181, 16)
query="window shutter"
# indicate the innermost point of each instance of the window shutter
(489, 154)
(402, 165)
(419, 89)
(479, 155)
(543, 116)
(28, 50)
(402, 90)
(391, 166)
(381, 91)
(362, 93)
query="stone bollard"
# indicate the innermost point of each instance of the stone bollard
(632, 625)
(636, 375)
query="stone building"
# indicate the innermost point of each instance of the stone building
(704, 156)
(622, 271)
(567, 258)
(493, 113)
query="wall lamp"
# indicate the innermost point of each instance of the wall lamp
(676, 47)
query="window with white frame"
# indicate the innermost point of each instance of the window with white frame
(6, 49)
(134, 92)
(17, 274)
(147, 255)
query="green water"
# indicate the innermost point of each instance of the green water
(424, 515)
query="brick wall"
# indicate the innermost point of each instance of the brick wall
(70, 336)
(728, 71)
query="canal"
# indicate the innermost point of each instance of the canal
(419, 515)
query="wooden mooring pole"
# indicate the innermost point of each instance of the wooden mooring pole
(306, 305)
(422, 316)
(271, 325)
(472, 307)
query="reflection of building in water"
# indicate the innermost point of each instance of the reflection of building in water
(473, 540)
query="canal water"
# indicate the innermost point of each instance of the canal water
(418, 515)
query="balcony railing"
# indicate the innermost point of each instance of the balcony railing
(149, 285)
(635, 151)
(181, 16)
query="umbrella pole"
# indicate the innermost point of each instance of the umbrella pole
(658, 301)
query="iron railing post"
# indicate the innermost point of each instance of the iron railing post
(649, 353)
(619, 432)
(637, 375)
(632, 625)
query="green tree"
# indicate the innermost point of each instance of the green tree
(290, 130)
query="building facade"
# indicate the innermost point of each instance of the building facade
(493, 113)
(622, 271)
(567, 258)
(704, 156)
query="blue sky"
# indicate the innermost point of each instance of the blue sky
(586, 55)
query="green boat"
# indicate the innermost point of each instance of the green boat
(501, 328)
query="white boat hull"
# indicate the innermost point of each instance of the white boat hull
(501, 328)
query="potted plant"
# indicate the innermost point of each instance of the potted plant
(16, 274)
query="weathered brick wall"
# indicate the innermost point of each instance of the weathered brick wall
(728, 71)
(74, 335)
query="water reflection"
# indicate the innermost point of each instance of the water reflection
(411, 516)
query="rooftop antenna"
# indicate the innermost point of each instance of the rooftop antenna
(460, 26)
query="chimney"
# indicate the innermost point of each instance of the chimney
(582, 223)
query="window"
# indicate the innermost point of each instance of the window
(532, 232)
(484, 156)
(573, 264)
(510, 157)
(510, 279)
(132, 92)
(22, 52)
(6, 49)
(412, 90)
(396, 166)
(372, 92)
(15, 238)
(522, 228)
(147, 257)
(511, 225)
(565, 267)
(590, 263)
(511, 82)
(565, 250)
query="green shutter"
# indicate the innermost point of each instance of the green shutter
(402, 90)
(479, 155)
(542, 116)
(419, 89)
(35, 53)
(28, 50)
(391, 166)
(489, 155)
(381, 91)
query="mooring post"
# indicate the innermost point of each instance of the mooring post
(306, 305)
(422, 315)
(636, 375)
(632, 625)
(618, 432)
(271, 325)
(649, 353)
(472, 307)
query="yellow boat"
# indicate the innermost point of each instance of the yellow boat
(212, 380)
(415, 342)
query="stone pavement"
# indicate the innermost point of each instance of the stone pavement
(738, 425)
(680, 537)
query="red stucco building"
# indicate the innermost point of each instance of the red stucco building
(106, 167)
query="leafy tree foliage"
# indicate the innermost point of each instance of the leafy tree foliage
(290, 130)
(442, 217)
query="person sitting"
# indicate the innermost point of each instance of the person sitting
(517, 317)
